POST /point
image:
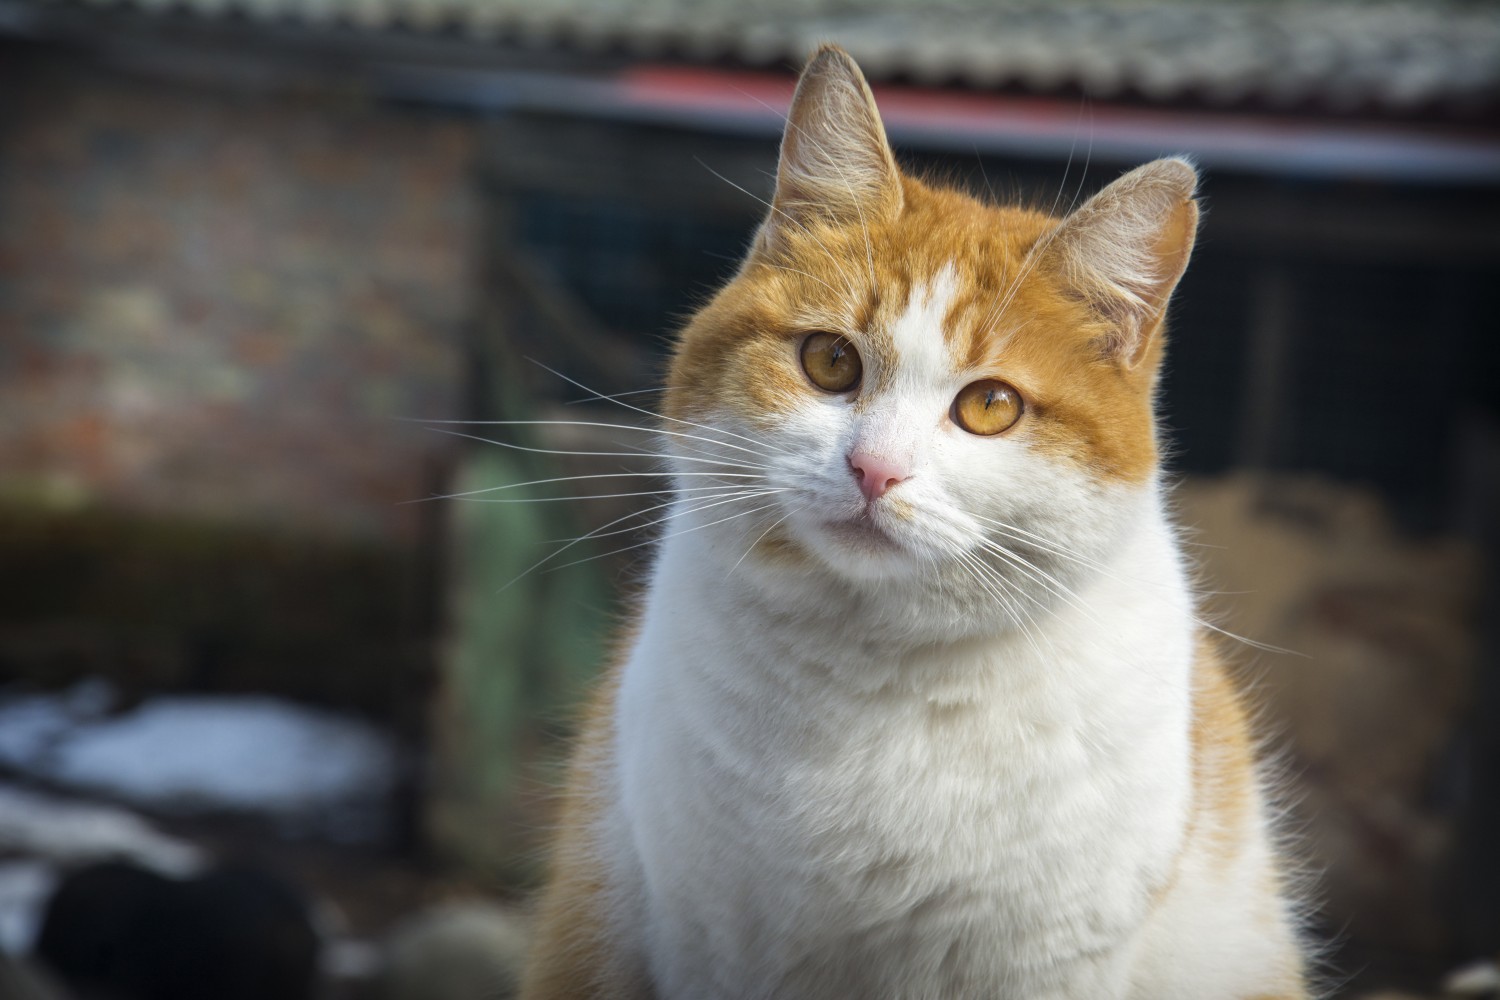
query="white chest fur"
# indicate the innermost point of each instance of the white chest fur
(802, 814)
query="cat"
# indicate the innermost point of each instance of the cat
(915, 703)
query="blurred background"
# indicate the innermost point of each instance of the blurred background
(266, 703)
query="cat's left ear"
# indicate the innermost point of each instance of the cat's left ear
(1125, 249)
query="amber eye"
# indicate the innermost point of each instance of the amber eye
(831, 362)
(988, 406)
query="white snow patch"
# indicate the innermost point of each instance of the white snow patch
(29, 726)
(307, 768)
(25, 887)
(70, 832)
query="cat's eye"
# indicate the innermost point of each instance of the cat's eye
(986, 407)
(831, 362)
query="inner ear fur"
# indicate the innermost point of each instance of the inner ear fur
(1124, 250)
(836, 163)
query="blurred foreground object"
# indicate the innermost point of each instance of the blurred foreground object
(1477, 980)
(458, 951)
(21, 980)
(234, 933)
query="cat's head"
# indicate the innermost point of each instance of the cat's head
(920, 376)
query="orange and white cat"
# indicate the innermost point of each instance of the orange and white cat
(916, 704)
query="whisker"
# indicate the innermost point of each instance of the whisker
(596, 532)
(1038, 542)
(592, 454)
(1049, 582)
(996, 585)
(716, 501)
(1047, 545)
(602, 496)
(571, 479)
(597, 455)
(605, 424)
(617, 395)
(654, 541)
(978, 159)
(1076, 602)
(649, 413)
(774, 525)
(807, 274)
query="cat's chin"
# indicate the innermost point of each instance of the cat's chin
(862, 534)
(859, 548)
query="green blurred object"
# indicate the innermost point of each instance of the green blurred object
(523, 641)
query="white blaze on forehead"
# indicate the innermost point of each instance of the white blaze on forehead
(898, 422)
(918, 336)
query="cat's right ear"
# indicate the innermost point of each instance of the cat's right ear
(836, 163)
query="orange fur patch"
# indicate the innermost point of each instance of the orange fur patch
(1224, 787)
(571, 955)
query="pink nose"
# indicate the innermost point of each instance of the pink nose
(876, 475)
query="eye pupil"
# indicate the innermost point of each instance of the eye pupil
(987, 407)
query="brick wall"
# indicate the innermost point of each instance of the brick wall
(217, 302)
